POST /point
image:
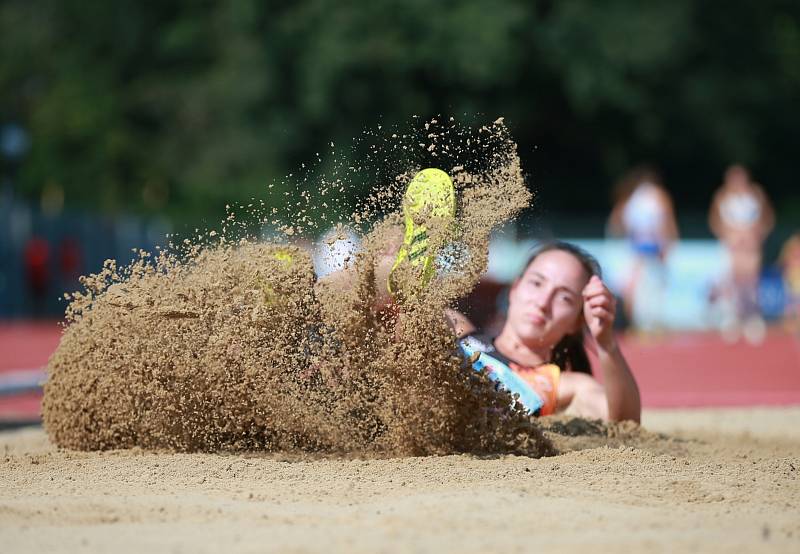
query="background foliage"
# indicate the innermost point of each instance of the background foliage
(181, 106)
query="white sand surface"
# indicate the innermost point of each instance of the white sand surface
(696, 480)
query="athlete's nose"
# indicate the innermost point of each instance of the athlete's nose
(542, 299)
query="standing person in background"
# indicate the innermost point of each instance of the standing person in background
(643, 213)
(36, 262)
(790, 267)
(70, 262)
(741, 217)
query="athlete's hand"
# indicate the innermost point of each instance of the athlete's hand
(599, 309)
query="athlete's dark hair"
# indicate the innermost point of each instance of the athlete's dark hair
(569, 354)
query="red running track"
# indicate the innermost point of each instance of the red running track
(678, 370)
(700, 369)
(25, 346)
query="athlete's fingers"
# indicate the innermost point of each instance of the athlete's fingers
(589, 308)
(608, 303)
(600, 300)
(595, 287)
(602, 314)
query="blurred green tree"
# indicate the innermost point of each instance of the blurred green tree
(181, 106)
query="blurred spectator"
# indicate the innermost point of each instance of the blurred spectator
(36, 259)
(70, 261)
(741, 217)
(790, 265)
(643, 213)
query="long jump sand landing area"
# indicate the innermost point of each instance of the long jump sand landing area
(681, 370)
(715, 481)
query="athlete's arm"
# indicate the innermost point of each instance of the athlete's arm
(621, 391)
(671, 226)
(714, 220)
(459, 323)
(767, 222)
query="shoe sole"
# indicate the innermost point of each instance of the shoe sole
(429, 196)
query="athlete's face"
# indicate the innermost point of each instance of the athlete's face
(546, 302)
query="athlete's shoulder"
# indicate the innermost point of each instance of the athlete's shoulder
(478, 342)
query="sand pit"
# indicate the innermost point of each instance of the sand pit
(715, 485)
(227, 342)
(224, 399)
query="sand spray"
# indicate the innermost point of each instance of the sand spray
(229, 342)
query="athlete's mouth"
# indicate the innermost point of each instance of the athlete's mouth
(537, 319)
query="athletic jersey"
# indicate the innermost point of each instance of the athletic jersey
(537, 387)
(643, 217)
(740, 210)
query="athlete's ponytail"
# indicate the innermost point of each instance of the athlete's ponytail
(570, 353)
